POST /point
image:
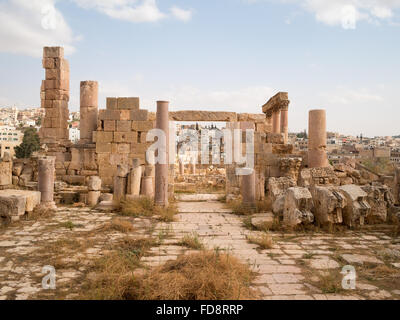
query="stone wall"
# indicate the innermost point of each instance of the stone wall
(121, 136)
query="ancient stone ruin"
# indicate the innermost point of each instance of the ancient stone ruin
(111, 161)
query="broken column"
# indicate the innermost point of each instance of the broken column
(297, 207)
(329, 204)
(120, 183)
(88, 110)
(135, 178)
(161, 179)
(94, 186)
(357, 207)
(46, 170)
(248, 188)
(317, 156)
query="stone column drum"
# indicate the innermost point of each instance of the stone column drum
(161, 179)
(46, 172)
(276, 121)
(317, 156)
(181, 167)
(89, 110)
(285, 122)
(248, 188)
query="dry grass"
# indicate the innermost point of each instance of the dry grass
(39, 213)
(218, 276)
(119, 225)
(330, 282)
(192, 241)
(145, 207)
(70, 225)
(265, 240)
(242, 210)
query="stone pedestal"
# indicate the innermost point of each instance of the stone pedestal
(46, 172)
(248, 188)
(134, 180)
(181, 168)
(285, 123)
(120, 184)
(317, 156)
(147, 187)
(161, 179)
(276, 121)
(88, 110)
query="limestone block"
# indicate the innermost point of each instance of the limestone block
(262, 220)
(379, 199)
(53, 52)
(124, 125)
(125, 137)
(15, 203)
(290, 167)
(357, 207)
(131, 103)
(203, 116)
(103, 137)
(94, 183)
(112, 103)
(278, 186)
(103, 147)
(329, 203)
(142, 125)
(139, 115)
(298, 206)
(106, 197)
(5, 173)
(93, 198)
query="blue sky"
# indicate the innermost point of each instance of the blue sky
(341, 55)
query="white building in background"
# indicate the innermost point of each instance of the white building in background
(74, 135)
(10, 138)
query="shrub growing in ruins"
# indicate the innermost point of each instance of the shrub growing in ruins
(192, 241)
(30, 144)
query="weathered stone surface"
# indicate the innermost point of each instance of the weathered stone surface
(357, 207)
(203, 116)
(5, 173)
(93, 198)
(290, 167)
(94, 183)
(378, 203)
(360, 259)
(262, 220)
(329, 203)
(318, 176)
(298, 206)
(14, 203)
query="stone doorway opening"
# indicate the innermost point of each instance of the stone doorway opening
(199, 157)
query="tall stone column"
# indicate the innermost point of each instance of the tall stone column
(161, 180)
(89, 110)
(276, 121)
(46, 172)
(248, 188)
(285, 122)
(317, 156)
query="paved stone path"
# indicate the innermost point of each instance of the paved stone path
(290, 269)
(298, 266)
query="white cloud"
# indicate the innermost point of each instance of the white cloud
(133, 10)
(344, 96)
(346, 13)
(27, 26)
(181, 14)
(247, 99)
